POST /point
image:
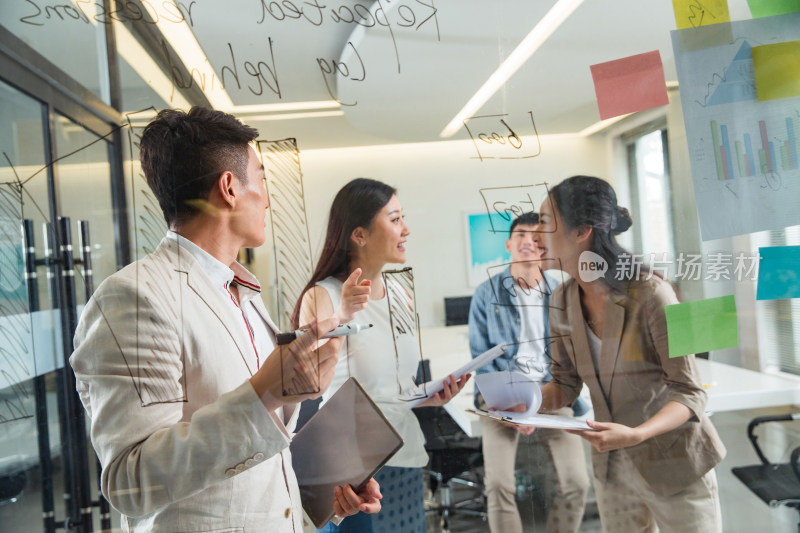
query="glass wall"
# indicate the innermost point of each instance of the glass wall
(84, 191)
(393, 91)
(30, 443)
(53, 166)
(67, 35)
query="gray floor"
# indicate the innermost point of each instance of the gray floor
(742, 511)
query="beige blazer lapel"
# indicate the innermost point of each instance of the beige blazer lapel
(614, 323)
(210, 295)
(583, 355)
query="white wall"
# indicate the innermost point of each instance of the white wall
(438, 183)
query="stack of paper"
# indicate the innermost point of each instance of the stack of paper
(503, 390)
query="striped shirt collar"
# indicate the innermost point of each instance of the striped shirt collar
(220, 274)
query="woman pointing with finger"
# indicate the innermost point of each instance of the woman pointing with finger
(366, 231)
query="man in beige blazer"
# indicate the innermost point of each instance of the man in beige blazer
(191, 404)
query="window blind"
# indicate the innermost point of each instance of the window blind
(779, 327)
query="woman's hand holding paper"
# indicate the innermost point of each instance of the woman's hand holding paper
(452, 386)
(519, 408)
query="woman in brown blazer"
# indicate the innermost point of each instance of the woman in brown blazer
(654, 447)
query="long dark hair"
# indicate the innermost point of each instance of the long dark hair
(589, 201)
(355, 205)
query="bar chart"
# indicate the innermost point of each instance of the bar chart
(745, 162)
(770, 147)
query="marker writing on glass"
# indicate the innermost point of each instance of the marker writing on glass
(338, 331)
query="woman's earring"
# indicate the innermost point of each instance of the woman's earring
(361, 243)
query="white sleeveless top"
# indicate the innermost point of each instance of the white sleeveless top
(383, 370)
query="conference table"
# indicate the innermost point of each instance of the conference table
(729, 388)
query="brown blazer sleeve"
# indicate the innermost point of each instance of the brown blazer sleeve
(680, 373)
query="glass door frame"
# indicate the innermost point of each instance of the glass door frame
(26, 70)
(58, 94)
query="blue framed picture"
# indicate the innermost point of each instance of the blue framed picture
(486, 244)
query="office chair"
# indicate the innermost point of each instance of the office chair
(12, 485)
(454, 459)
(775, 484)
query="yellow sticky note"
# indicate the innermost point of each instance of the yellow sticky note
(777, 69)
(696, 13)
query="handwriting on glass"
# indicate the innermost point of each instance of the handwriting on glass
(16, 340)
(497, 136)
(148, 223)
(289, 220)
(508, 203)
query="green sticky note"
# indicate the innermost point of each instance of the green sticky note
(777, 70)
(702, 326)
(768, 8)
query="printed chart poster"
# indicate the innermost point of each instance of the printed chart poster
(744, 153)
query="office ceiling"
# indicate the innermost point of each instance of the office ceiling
(404, 84)
(401, 75)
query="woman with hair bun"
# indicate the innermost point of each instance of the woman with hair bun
(654, 448)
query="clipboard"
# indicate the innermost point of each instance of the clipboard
(505, 389)
(540, 420)
(347, 441)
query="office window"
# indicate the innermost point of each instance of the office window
(651, 195)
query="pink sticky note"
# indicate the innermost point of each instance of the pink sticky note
(630, 84)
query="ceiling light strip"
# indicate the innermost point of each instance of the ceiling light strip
(144, 65)
(597, 127)
(146, 68)
(191, 54)
(537, 36)
(286, 106)
(296, 116)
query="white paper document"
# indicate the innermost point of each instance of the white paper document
(503, 390)
(416, 395)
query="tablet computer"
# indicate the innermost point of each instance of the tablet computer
(347, 441)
